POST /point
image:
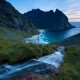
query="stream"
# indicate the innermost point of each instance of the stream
(45, 65)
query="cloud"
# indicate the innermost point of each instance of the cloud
(70, 7)
(74, 19)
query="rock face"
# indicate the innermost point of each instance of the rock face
(11, 18)
(49, 20)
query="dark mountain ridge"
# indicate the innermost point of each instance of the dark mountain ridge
(49, 20)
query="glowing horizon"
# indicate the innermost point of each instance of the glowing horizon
(74, 19)
(69, 7)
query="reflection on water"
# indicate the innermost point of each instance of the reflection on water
(46, 37)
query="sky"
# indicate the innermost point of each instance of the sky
(69, 7)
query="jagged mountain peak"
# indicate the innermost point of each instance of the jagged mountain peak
(51, 11)
(57, 10)
(49, 19)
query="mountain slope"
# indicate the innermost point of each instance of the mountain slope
(74, 40)
(11, 19)
(49, 20)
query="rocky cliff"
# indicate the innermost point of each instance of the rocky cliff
(49, 20)
(10, 18)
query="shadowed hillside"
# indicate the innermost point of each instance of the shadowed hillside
(49, 20)
(12, 22)
(74, 40)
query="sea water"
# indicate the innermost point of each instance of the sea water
(46, 37)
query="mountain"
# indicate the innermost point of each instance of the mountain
(49, 20)
(12, 22)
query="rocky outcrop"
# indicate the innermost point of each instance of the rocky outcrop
(49, 20)
(11, 18)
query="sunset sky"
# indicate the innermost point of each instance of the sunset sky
(70, 7)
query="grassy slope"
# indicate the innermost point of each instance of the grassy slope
(70, 69)
(15, 51)
(14, 34)
(74, 40)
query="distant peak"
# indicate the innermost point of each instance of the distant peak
(57, 10)
(51, 11)
(36, 9)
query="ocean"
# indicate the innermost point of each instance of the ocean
(46, 37)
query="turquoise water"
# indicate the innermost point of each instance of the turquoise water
(46, 37)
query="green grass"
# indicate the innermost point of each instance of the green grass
(70, 69)
(14, 34)
(15, 51)
(73, 40)
(12, 50)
